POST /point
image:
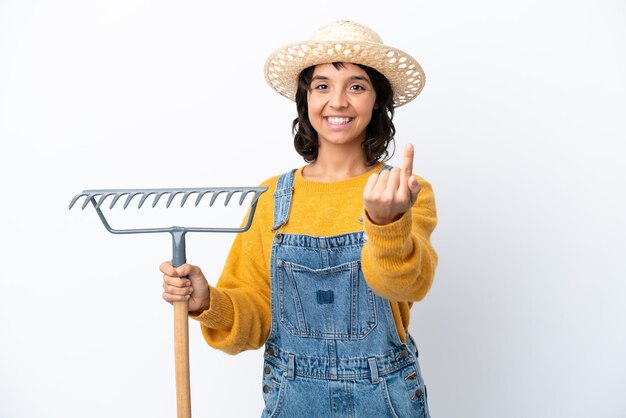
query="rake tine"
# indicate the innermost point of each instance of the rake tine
(88, 199)
(78, 196)
(228, 196)
(214, 198)
(129, 198)
(143, 198)
(185, 197)
(157, 197)
(103, 198)
(200, 196)
(172, 196)
(244, 193)
(257, 195)
(116, 198)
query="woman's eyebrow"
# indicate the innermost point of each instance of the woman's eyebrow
(361, 78)
(354, 77)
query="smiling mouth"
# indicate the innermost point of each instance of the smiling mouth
(333, 120)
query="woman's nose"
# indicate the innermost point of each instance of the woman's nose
(338, 99)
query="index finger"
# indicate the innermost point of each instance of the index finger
(166, 268)
(407, 163)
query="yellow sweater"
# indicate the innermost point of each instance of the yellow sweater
(398, 260)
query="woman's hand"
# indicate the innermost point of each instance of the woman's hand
(389, 194)
(186, 282)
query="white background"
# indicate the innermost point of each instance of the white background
(520, 129)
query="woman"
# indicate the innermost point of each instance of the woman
(339, 249)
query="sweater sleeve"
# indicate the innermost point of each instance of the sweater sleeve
(239, 314)
(398, 259)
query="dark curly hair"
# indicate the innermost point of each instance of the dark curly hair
(378, 135)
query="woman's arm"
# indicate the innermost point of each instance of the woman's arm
(398, 259)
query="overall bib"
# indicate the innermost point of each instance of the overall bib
(333, 348)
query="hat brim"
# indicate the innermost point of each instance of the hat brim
(404, 73)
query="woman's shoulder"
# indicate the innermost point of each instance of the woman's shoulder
(271, 182)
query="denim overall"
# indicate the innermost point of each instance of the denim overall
(333, 349)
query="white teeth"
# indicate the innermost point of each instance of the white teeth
(338, 121)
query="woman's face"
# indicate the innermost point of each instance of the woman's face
(340, 103)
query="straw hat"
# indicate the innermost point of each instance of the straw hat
(345, 41)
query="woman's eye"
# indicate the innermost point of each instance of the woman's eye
(357, 87)
(321, 87)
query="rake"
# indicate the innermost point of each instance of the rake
(110, 197)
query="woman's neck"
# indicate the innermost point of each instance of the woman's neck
(336, 166)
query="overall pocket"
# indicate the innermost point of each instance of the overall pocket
(331, 303)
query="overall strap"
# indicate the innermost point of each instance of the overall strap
(282, 199)
(386, 167)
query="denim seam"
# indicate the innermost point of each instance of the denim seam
(365, 374)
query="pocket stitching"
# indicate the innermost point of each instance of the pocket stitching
(385, 390)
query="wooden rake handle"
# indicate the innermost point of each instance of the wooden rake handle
(181, 352)
(181, 333)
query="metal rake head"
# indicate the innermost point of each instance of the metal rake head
(98, 198)
(116, 194)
